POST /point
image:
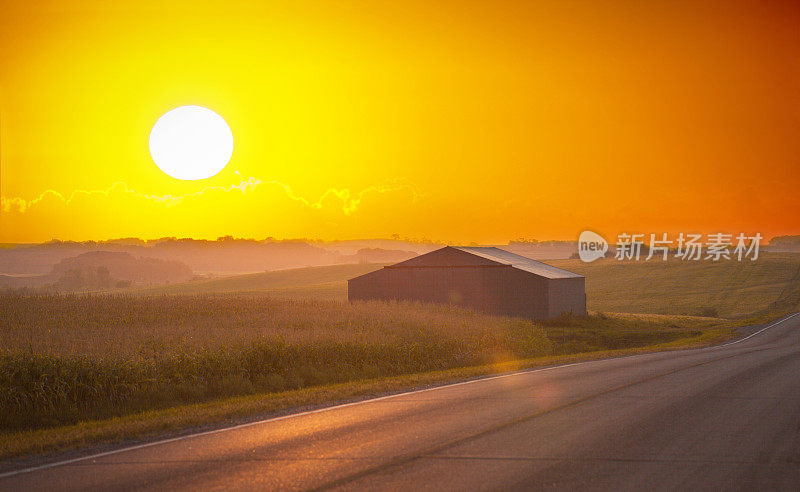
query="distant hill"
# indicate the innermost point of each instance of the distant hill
(38, 259)
(86, 278)
(323, 282)
(353, 246)
(101, 270)
(123, 266)
(380, 255)
(784, 244)
(225, 256)
(542, 250)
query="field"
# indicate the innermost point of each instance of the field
(70, 358)
(725, 288)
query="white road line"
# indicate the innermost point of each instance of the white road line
(345, 405)
(756, 333)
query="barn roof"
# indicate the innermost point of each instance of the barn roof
(520, 262)
(484, 256)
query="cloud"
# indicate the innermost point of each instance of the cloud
(20, 205)
(349, 201)
(251, 207)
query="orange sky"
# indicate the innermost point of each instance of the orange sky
(458, 121)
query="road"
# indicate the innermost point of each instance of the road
(725, 417)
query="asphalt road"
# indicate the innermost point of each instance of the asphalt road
(726, 417)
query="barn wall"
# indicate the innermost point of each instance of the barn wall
(370, 286)
(567, 295)
(498, 290)
(518, 293)
(462, 285)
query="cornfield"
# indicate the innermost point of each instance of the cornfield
(68, 358)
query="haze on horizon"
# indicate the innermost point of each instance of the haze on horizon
(455, 121)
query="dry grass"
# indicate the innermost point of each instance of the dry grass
(721, 288)
(116, 327)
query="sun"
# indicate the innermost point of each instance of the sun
(191, 142)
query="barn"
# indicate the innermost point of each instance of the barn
(487, 279)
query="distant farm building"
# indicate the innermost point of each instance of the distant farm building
(487, 279)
